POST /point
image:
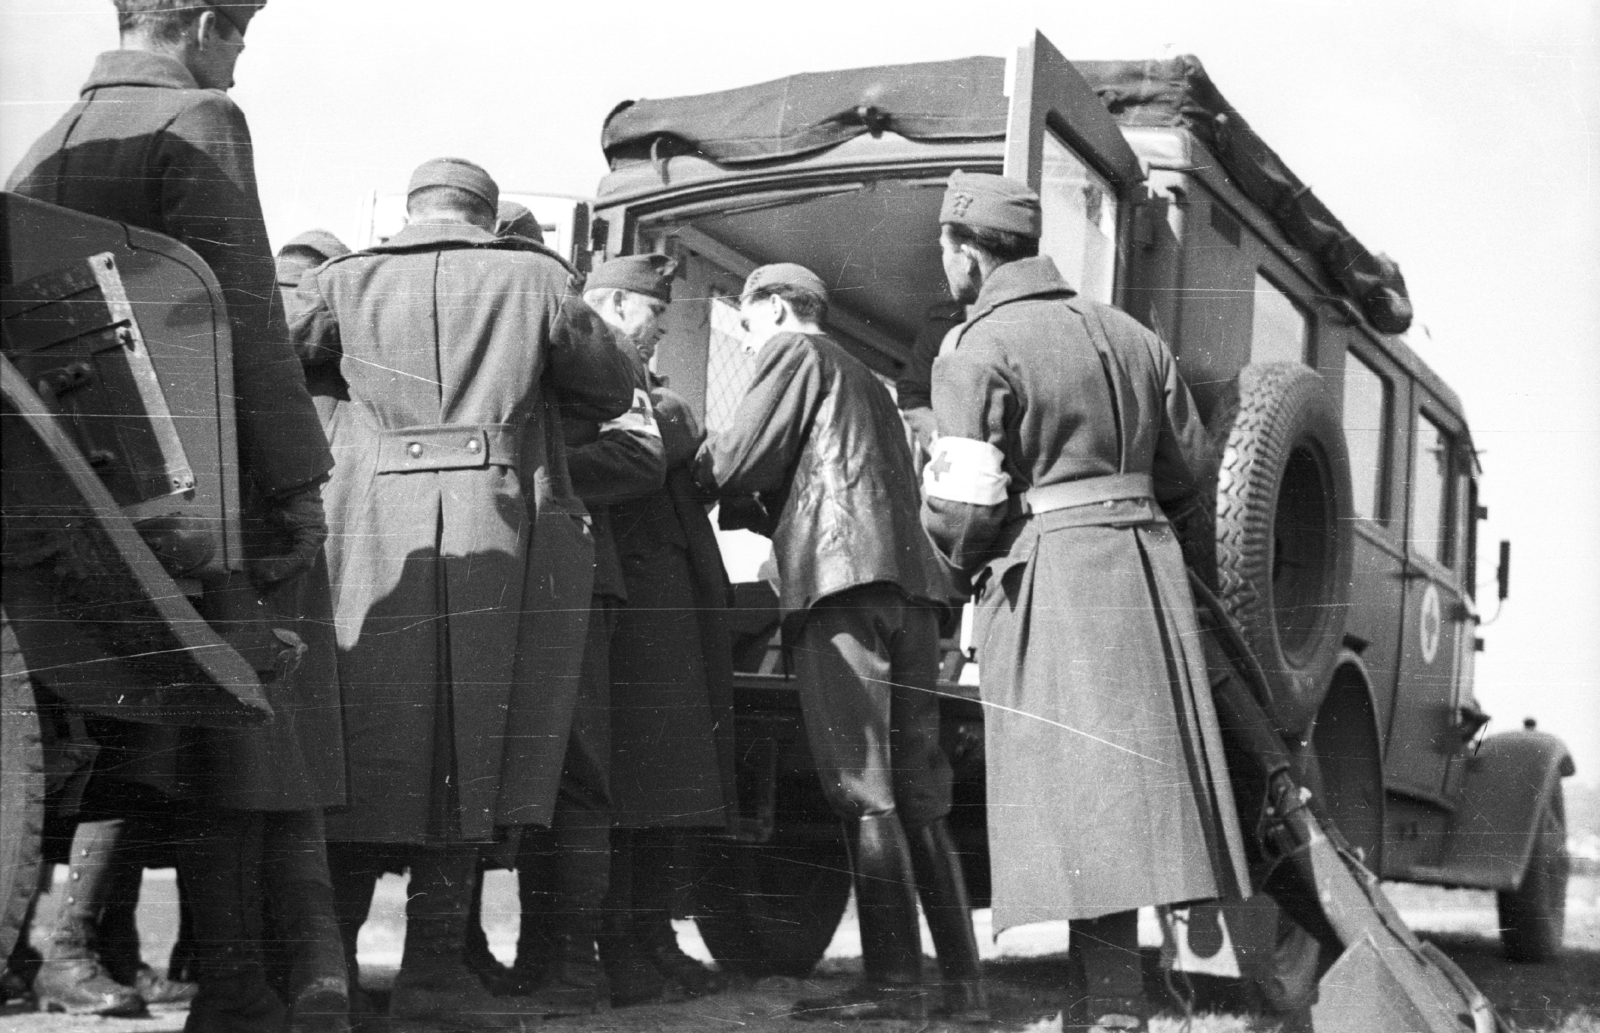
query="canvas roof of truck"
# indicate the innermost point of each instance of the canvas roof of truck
(768, 125)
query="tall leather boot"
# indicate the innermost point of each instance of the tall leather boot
(71, 978)
(655, 881)
(354, 872)
(632, 977)
(435, 989)
(221, 866)
(891, 941)
(1108, 950)
(574, 983)
(943, 889)
(299, 891)
(119, 945)
(536, 880)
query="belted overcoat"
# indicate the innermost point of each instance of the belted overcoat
(1107, 788)
(145, 145)
(447, 337)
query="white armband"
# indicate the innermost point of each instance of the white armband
(641, 419)
(964, 470)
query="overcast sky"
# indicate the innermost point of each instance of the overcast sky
(1460, 136)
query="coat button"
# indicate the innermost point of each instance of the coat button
(474, 445)
(414, 450)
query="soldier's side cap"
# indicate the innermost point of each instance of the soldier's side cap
(514, 220)
(239, 12)
(987, 201)
(459, 173)
(785, 274)
(320, 241)
(643, 274)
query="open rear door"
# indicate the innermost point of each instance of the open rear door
(1062, 141)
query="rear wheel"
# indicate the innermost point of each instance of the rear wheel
(1533, 917)
(772, 909)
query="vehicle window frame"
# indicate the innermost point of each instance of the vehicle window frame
(1390, 379)
(1449, 512)
(1307, 313)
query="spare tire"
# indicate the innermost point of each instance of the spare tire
(1283, 531)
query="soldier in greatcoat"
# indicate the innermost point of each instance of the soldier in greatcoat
(155, 141)
(296, 258)
(819, 440)
(1065, 433)
(448, 339)
(564, 871)
(671, 667)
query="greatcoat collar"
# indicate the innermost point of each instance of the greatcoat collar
(1024, 278)
(139, 68)
(431, 236)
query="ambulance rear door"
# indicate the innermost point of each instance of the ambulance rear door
(1062, 141)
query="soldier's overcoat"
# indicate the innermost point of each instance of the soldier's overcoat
(671, 656)
(1106, 782)
(447, 337)
(146, 145)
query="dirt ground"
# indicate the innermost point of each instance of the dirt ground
(1026, 969)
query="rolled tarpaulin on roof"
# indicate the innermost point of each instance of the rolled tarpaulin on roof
(1177, 92)
(784, 118)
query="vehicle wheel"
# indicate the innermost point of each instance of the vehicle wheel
(1533, 917)
(1283, 531)
(21, 791)
(771, 910)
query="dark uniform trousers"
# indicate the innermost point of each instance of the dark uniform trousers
(867, 666)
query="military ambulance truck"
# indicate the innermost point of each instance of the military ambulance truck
(1348, 491)
(1347, 494)
(120, 501)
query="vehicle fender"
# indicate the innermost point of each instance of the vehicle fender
(1347, 745)
(1497, 813)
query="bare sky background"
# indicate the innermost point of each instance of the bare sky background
(1460, 136)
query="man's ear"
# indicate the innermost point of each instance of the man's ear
(206, 29)
(781, 310)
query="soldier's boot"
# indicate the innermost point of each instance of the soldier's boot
(574, 982)
(891, 941)
(354, 876)
(943, 888)
(435, 989)
(71, 978)
(632, 976)
(221, 865)
(1113, 995)
(299, 892)
(536, 880)
(119, 941)
(654, 882)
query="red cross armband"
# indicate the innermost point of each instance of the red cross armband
(640, 419)
(965, 470)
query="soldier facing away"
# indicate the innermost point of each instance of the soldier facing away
(448, 339)
(1064, 431)
(820, 441)
(155, 141)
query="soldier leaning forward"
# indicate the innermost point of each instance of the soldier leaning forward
(296, 258)
(819, 439)
(671, 668)
(448, 338)
(1064, 431)
(155, 141)
(564, 873)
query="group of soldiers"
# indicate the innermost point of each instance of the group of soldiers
(487, 519)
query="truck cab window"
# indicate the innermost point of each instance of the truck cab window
(1079, 220)
(1431, 487)
(1366, 433)
(1279, 330)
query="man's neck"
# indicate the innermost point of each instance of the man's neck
(177, 51)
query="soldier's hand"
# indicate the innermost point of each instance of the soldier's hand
(298, 522)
